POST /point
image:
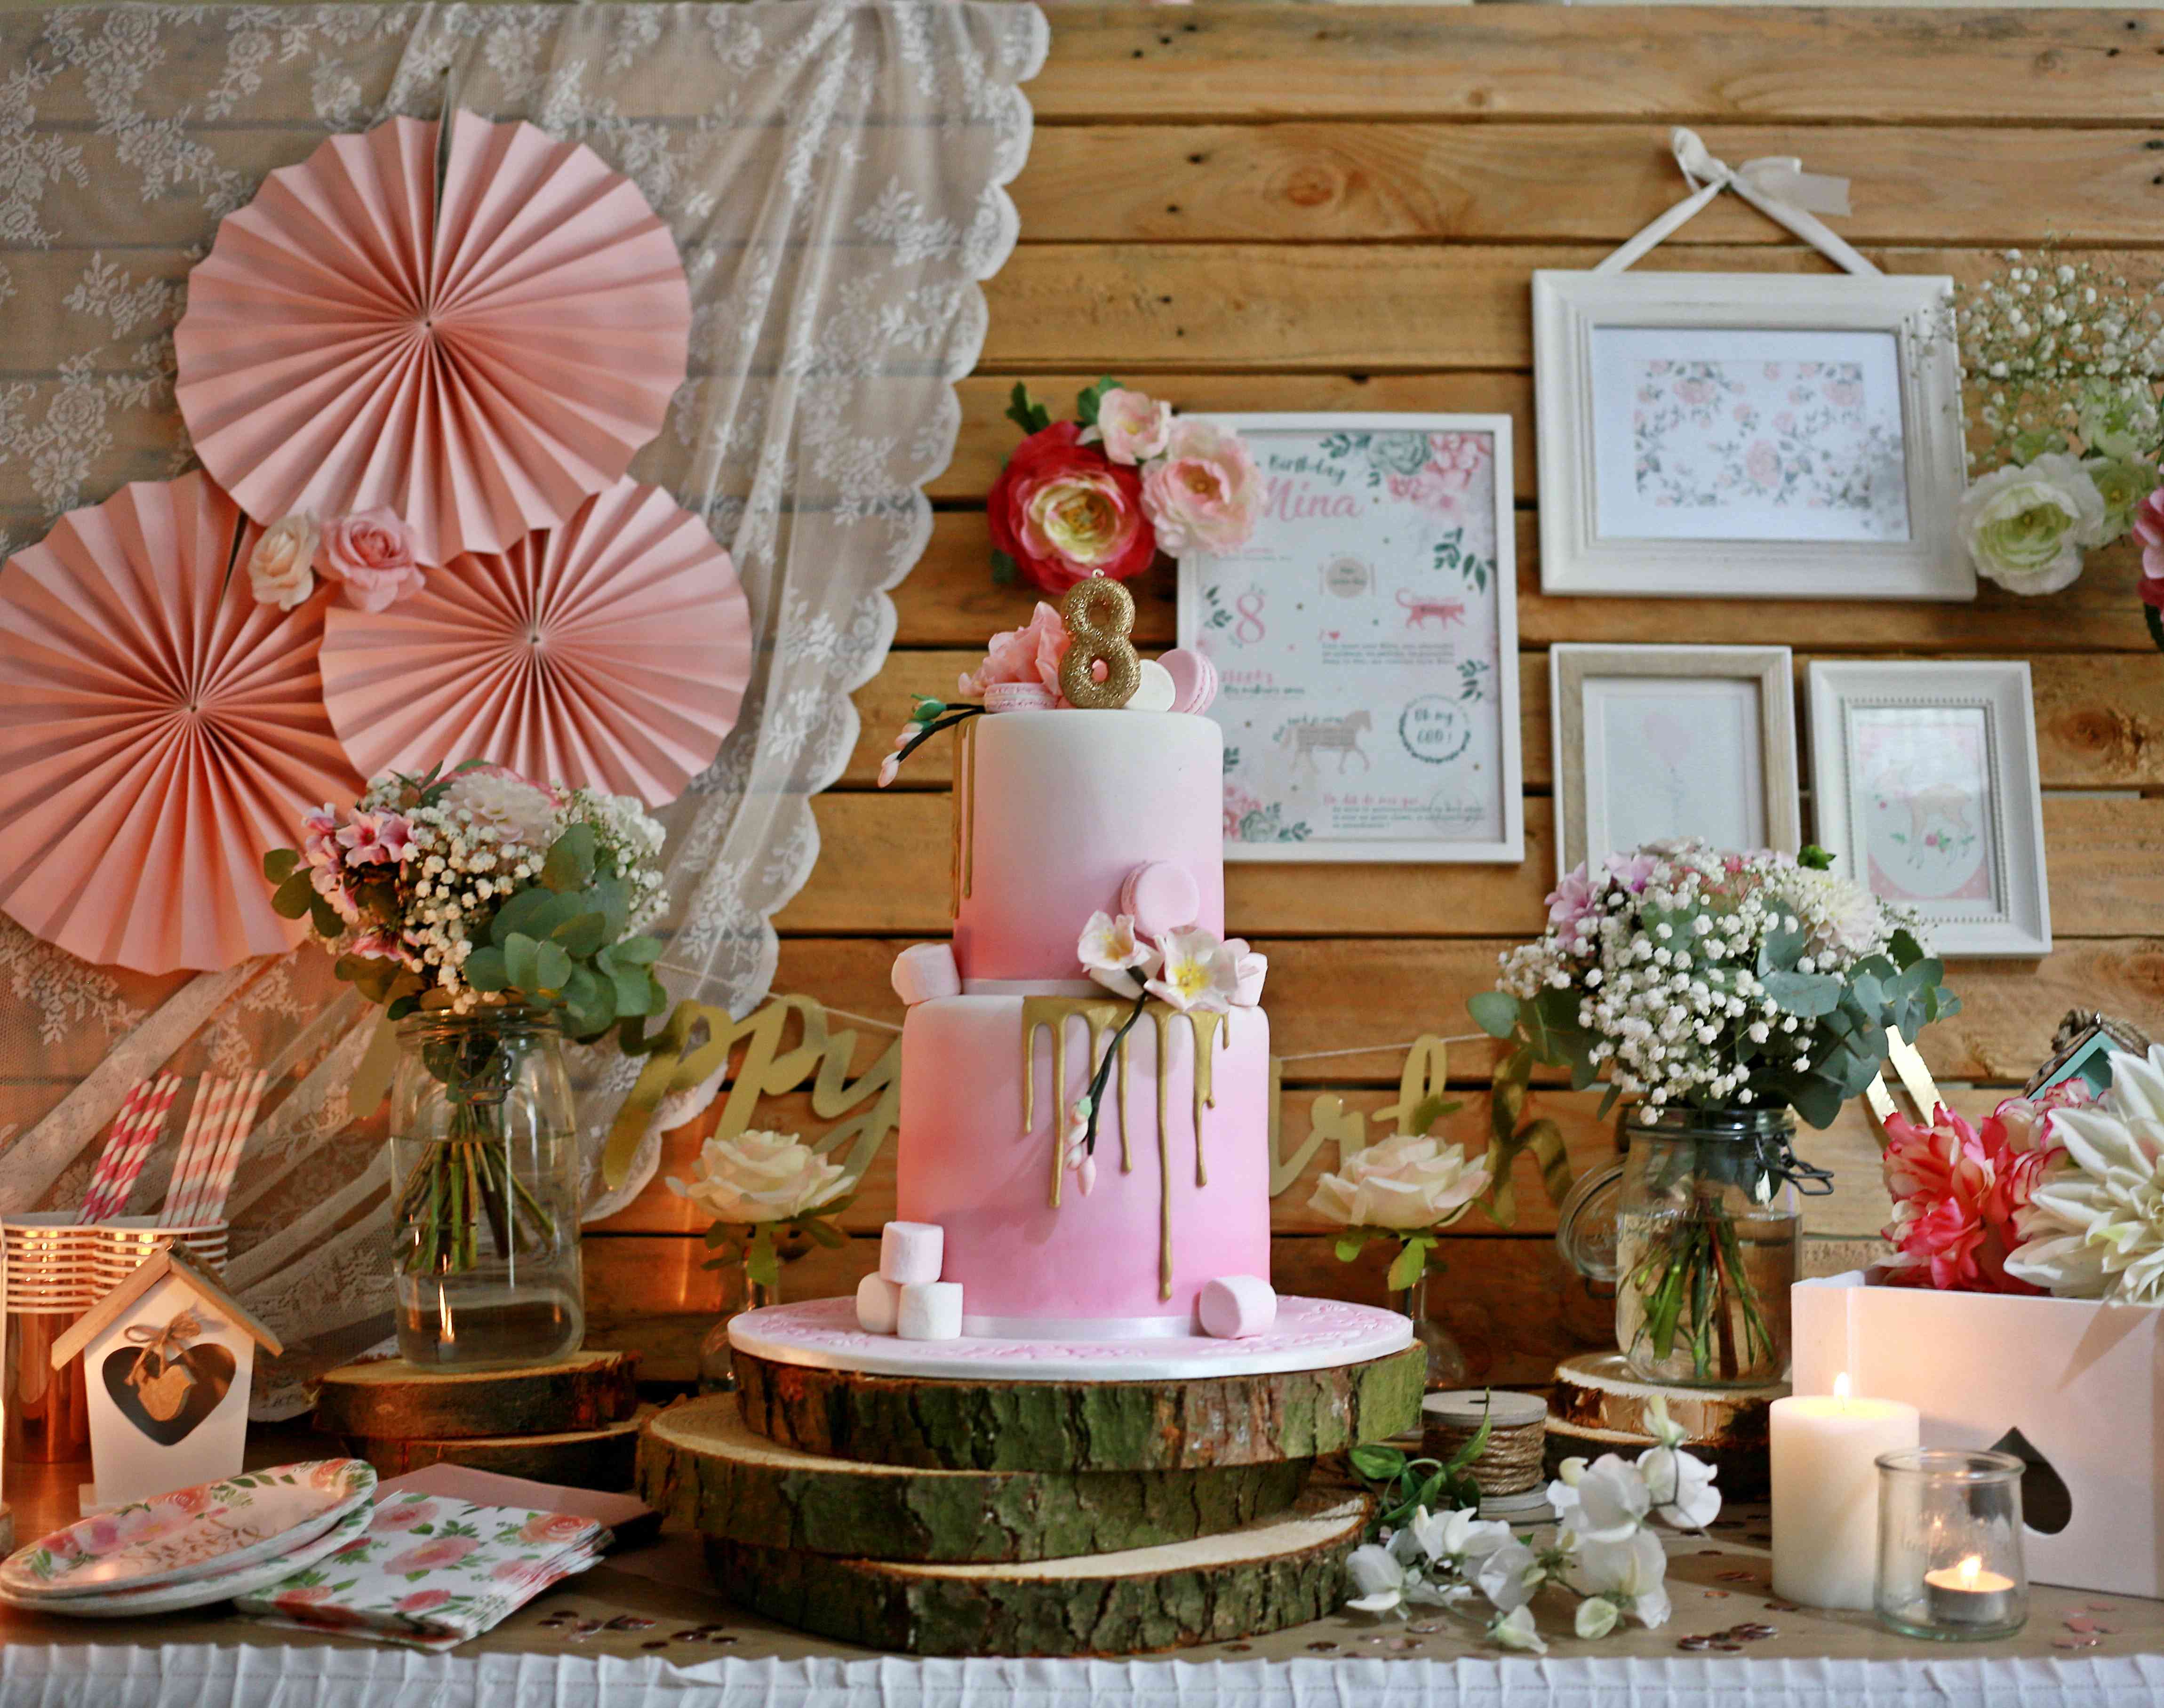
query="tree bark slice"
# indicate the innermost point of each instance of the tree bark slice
(1282, 1572)
(390, 1400)
(941, 1424)
(699, 1464)
(605, 1458)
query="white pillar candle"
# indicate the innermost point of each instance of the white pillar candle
(1825, 1449)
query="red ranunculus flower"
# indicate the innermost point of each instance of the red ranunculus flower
(1063, 512)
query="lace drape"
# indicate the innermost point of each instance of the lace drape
(834, 174)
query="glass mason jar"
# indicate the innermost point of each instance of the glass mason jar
(739, 1294)
(1447, 1366)
(1708, 1233)
(484, 1154)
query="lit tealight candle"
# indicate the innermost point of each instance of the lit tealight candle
(1825, 1449)
(1968, 1594)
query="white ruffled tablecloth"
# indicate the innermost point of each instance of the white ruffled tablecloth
(82, 1676)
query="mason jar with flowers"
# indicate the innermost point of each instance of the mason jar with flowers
(493, 917)
(758, 1186)
(1724, 994)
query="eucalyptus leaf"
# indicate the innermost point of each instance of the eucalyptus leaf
(570, 863)
(485, 970)
(1494, 1013)
(551, 966)
(520, 961)
(279, 864)
(295, 895)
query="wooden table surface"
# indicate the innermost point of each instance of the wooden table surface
(659, 1601)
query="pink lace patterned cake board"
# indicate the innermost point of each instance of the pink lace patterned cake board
(1310, 1334)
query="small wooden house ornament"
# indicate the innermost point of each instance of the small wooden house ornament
(169, 1355)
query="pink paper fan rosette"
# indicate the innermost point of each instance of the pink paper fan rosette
(480, 367)
(160, 732)
(611, 652)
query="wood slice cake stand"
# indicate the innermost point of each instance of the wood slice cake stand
(1600, 1406)
(1264, 1577)
(388, 1398)
(700, 1464)
(605, 1458)
(1332, 1374)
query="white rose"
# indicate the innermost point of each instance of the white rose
(2025, 526)
(761, 1177)
(1401, 1182)
(279, 568)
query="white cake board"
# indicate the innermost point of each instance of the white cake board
(1310, 1334)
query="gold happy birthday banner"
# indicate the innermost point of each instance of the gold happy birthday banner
(699, 1040)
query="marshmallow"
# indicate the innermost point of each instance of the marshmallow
(925, 970)
(911, 1252)
(1019, 696)
(930, 1310)
(879, 1304)
(1194, 679)
(1154, 689)
(1233, 1307)
(1160, 896)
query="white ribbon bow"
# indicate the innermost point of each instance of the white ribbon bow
(1776, 184)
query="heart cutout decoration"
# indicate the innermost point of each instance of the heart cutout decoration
(166, 1398)
(2047, 1504)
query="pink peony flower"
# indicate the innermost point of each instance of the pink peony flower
(1574, 901)
(432, 1555)
(1954, 1190)
(1205, 493)
(1030, 654)
(1134, 427)
(372, 553)
(424, 1600)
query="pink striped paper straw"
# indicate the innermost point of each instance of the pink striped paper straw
(148, 1125)
(210, 1207)
(100, 1177)
(195, 1150)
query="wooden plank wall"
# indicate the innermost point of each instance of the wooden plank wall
(1313, 208)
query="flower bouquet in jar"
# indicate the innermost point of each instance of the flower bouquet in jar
(1719, 991)
(491, 915)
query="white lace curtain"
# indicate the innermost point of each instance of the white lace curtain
(834, 175)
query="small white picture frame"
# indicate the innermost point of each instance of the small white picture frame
(1924, 783)
(1747, 435)
(1366, 640)
(1655, 742)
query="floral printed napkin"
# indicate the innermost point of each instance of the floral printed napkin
(433, 1571)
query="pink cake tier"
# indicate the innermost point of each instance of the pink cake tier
(1053, 810)
(1181, 1194)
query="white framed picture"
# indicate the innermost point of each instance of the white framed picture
(1656, 742)
(1743, 436)
(1923, 778)
(1365, 641)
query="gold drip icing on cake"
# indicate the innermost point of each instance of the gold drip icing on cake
(965, 853)
(1208, 1032)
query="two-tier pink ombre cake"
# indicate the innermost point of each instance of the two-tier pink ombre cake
(1060, 815)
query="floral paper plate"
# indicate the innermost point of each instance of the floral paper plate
(200, 1592)
(191, 1533)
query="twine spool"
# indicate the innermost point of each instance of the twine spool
(1511, 1462)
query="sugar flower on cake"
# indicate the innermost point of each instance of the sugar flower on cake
(1197, 971)
(2095, 1226)
(1030, 654)
(1401, 1182)
(281, 569)
(1101, 494)
(372, 553)
(761, 1177)
(1117, 956)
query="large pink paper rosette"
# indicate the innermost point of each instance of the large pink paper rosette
(611, 652)
(480, 365)
(160, 732)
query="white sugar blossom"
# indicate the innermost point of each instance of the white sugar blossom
(1403, 1182)
(1115, 955)
(1198, 972)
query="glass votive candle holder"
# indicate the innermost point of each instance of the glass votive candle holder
(1950, 1544)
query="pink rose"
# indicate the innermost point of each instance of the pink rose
(431, 1556)
(278, 569)
(402, 1515)
(424, 1600)
(2149, 529)
(1134, 427)
(1762, 464)
(1030, 654)
(554, 1526)
(1204, 495)
(372, 553)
